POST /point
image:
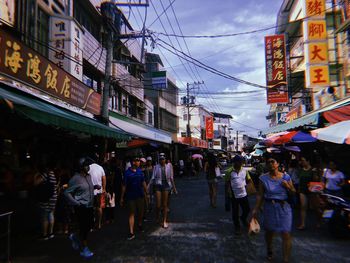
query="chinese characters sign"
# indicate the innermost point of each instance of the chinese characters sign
(22, 63)
(209, 127)
(66, 39)
(315, 8)
(276, 73)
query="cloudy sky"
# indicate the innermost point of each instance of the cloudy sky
(240, 56)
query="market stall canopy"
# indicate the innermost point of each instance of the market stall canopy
(336, 133)
(295, 137)
(43, 112)
(338, 111)
(257, 152)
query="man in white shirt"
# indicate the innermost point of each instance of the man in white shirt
(98, 179)
(236, 180)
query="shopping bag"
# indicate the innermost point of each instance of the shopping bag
(315, 187)
(254, 227)
(217, 171)
(250, 188)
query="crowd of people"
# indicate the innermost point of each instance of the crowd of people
(285, 186)
(86, 201)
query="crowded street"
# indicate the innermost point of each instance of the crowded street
(196, 233)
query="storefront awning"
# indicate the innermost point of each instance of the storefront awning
(45, 113)
(138, 129)
(331, 113)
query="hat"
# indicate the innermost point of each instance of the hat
(237, 159)
(149, 158)
(162, 157)
(143, 160)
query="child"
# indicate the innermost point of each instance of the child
(110, 204)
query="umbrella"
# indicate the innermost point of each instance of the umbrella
(296, 137)
(271, 139)
(197, 156)
(257, 152)
(259, 146)
(292, 148)
(273, 150)
(336, 133)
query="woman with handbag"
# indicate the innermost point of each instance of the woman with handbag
(210, 168)
(273, 193)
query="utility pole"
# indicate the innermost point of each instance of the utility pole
(188, 101)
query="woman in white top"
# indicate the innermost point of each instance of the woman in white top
(334, 179)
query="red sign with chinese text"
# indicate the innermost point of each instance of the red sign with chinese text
(26, 65)
(276, 69)
(209, 127)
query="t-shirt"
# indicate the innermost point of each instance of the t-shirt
(305, 177)
(96, 171)
(133, 181)
(333, 179)
(238, 182)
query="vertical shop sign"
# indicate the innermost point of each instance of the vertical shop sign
(66, 38)
(315, 8)
(276, 69)
(209, 127)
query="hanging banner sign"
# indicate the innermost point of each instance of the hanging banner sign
(276, 69)
(209, 127)
(26, 65)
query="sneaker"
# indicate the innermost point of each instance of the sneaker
(51, 236)
(131, 236)
(44, 238)
(75, 242)
(86, 253)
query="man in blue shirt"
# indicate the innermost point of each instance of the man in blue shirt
(133, 189)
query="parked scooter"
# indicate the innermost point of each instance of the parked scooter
(336, 212)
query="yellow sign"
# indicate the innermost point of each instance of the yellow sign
(319, 75)
(316, 30)
(315, 8)
(318, 53)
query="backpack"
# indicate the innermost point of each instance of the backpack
(45, 190)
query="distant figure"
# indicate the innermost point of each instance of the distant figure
(210, 167)
(334, 179)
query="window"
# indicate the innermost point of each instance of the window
(150, 117)
(43, 32)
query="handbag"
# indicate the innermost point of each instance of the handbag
(217, 171)
(315, 187)
(254, 226)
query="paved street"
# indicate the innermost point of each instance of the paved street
(197, 233)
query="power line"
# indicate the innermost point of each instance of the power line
(241, 33)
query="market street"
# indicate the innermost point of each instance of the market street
(197, 233)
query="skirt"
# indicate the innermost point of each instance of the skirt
(277, 217)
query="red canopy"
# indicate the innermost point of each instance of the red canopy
(337, 115)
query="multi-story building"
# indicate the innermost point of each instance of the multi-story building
(197, 120)
(315, 59)
(222, 130)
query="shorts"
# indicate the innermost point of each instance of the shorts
(136, 204)
(162, 188)
(99, 201)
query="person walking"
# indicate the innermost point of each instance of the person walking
(134, 189)
(236, 179)
(80, 194)
(46, 184)
(306, 175)
(277, 213)
(163, 181)
(333, 179)
(98, 177)
(210, 167)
